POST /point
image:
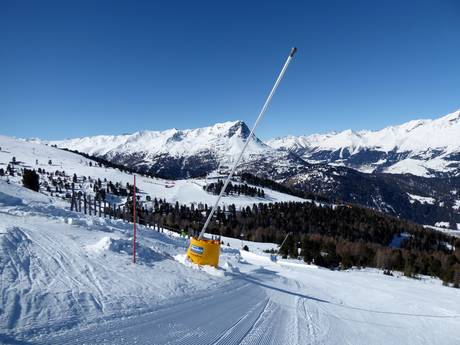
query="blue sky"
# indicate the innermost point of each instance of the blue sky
(81, 68)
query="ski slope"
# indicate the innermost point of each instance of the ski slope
(68, 279)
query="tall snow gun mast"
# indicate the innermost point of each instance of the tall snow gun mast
(205, 251)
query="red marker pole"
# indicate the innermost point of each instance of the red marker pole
(134, 221)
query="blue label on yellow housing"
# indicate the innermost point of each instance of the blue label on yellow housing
(197, 249)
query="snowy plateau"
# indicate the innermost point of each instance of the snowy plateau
(67, 278)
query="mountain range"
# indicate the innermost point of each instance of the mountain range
(410, 171)
(421, 147)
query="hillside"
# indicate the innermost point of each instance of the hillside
(35, 155)
(68, 279)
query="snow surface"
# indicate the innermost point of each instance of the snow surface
(444, 227)
(456, 205)
(421, 199)
(442, 224)
(68, 279)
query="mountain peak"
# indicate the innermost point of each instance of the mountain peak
(239, 128)
(220, 139)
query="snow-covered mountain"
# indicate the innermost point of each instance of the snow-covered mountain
(419, 147)
(174, 153)
(224, 138)
(320, 164)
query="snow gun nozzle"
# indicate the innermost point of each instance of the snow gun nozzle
(293, 51)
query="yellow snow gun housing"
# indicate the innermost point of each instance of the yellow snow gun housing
(204, 251)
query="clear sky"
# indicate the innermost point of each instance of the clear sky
(78, 68)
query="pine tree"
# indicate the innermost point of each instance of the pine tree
(31, 180)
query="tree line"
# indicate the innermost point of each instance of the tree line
(234, 189)
(265, 182)
(333, 237)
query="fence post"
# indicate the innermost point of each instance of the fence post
(84, 202)
(89, 205)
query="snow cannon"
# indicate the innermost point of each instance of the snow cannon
(204, 251)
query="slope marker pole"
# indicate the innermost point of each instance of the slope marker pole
(134, 220)
(256, 124)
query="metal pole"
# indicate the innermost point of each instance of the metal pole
(283, 241)
(256, 124)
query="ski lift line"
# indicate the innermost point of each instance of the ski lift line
(256, 124)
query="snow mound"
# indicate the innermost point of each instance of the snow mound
(99, 247)
(184, 260)
(143, 254)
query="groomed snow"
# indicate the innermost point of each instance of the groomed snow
(68, 279)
